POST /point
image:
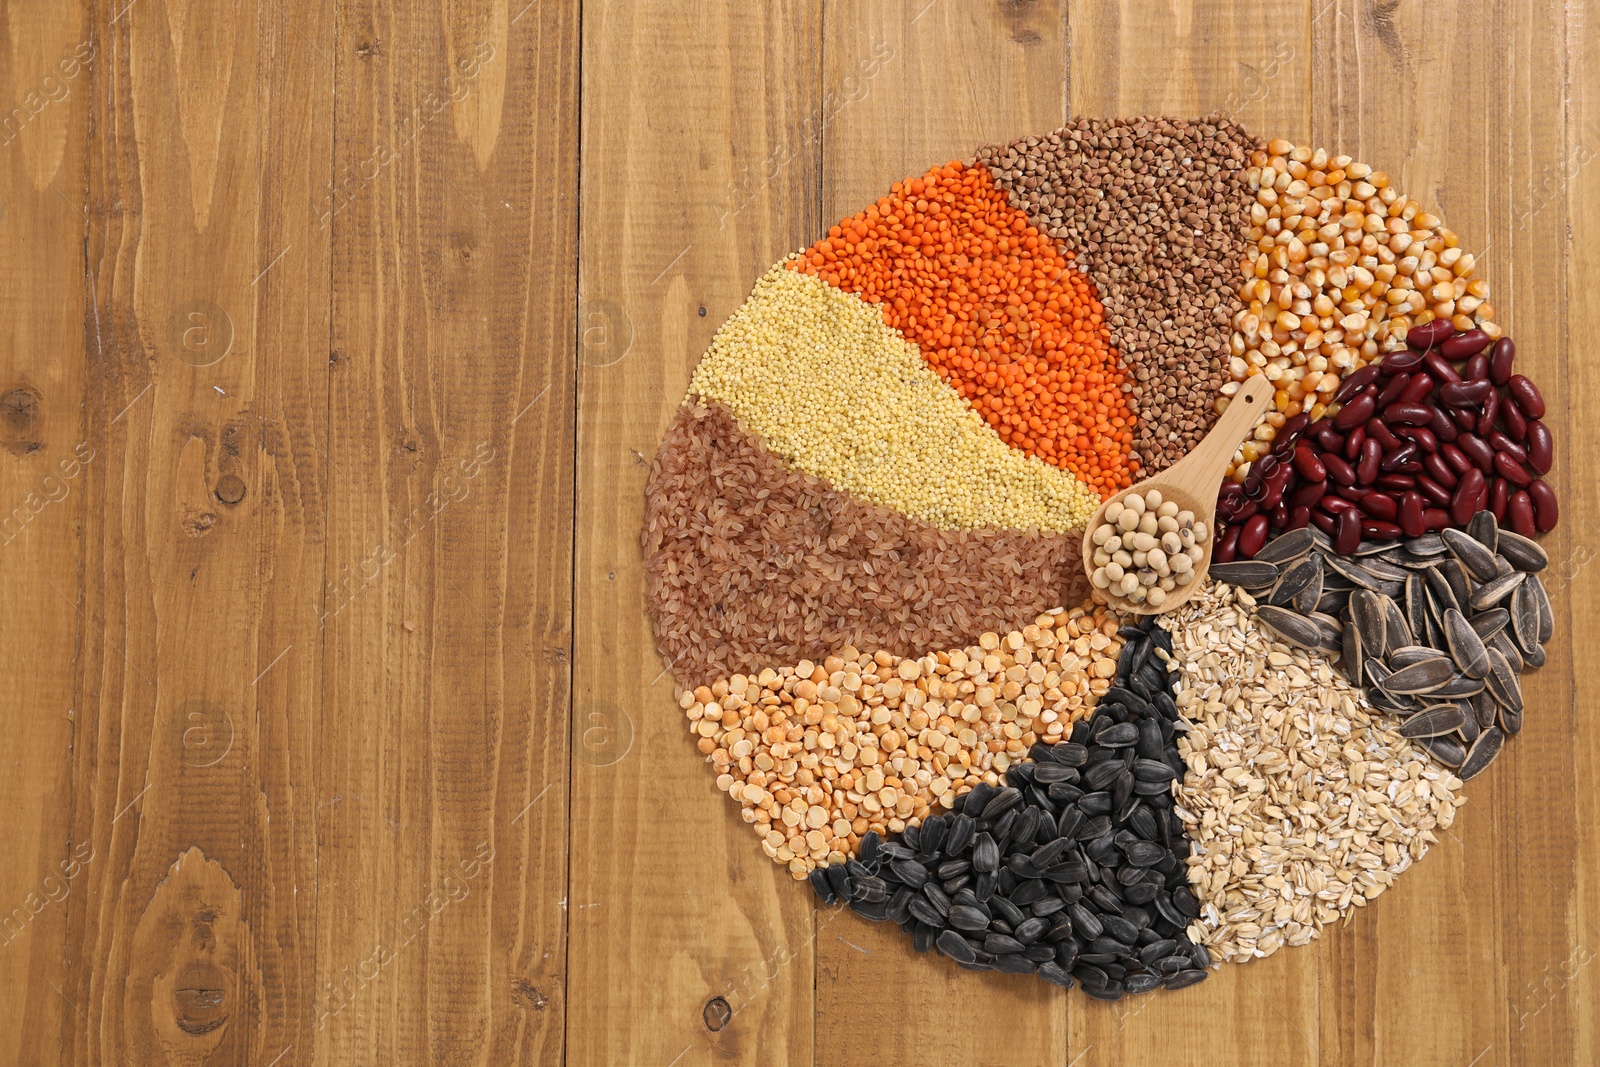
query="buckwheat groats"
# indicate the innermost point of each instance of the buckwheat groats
(863, 565)
(1156, 211)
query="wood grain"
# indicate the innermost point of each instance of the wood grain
(447, 600)
(47, 51)
(337, 344)
(202, 526)
(985, 73)
(697, 176)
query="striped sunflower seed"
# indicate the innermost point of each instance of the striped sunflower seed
(1466, 647)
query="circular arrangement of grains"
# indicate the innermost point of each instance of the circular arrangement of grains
(862, 550)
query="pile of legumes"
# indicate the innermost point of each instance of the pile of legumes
(1145, 547)
(1156, 213)
(819, 754)
(1073, 870)
(1341, 265)
(1434, 432)
(864, 519)
(997, 312)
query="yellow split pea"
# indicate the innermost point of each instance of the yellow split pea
(821, 753)
(830, 387)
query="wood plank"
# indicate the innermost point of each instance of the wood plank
(1494, 171)
(672, 903)
(44, 462)
(1250, 59)
(1575, 978)
(202, 536)
(447, 601)
(914, 86)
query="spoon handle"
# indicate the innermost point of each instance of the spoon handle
(1202, 469)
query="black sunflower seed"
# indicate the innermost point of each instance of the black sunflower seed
(1483, 752)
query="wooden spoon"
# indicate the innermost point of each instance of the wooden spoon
(1192, 484)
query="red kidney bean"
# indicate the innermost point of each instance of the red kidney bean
(1428, 334)
(1352, 492)
(1433, 490)
(1410, 467)
(1408, 414)
(1490, 409)
(1442, 427)
(1394, 481)
(1330, 439)
(1435, 519)
(1464, 394)
(1418, 390)
(1541, 447)
(1465, 418)
(1347, 532)
(1325, 522)
(1515, 422)
(1354, 413)
(1247, 510)
(1458, 460)
(1499, 496)
(1299, 518)
(1253, 537)
(1501, 443)
(1477, 367)
(1404, 454)
(1440, 367)
(1421, 435)
(1527, 396)
(1308, 495)
(1380, 506)
(1410, 514)
(1367, 466)
(1301, 421)
(1353, 443)
(1462, 345)
(1398, 362)
(1338, 470)
(1440, 470)
(1511, 470)
(1478, 450)
(1464, 501)
(1500, 359)
(1279, 517)
(1377, 530)
(1392, 391)
(1545, 509)
(1334, 505)
(1227, 548)
(1519, 514)
(1377, 430)
(1354, 384)
(1273, 497)
(1307, 463)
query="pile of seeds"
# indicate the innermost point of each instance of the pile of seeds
(1073, 870)
(827, 385)
(1301, 801)
(820, 754)
(1146, 547)
(749, 561)
(1155, 211)
(1438, 627)
(995, 309)
(1410, 445)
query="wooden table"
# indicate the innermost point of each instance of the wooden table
(337, 342)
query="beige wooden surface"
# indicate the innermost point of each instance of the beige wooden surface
(337, 339)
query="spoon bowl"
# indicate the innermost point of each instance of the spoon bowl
(1192, 484)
